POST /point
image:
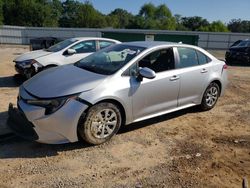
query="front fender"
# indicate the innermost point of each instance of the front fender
(95, 97)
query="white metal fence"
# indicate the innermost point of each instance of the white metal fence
(22, 35)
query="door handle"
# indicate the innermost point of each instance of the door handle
(203, 70)
(173, 78)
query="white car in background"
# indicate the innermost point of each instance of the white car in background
(65, 52)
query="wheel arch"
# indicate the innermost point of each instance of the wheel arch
(51, 65)
(119, 105)
(217, 81)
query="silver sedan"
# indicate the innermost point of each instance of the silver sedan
(116, 86)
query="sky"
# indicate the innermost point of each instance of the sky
(212, 10)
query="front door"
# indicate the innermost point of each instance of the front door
(83, 49)
(151, 97)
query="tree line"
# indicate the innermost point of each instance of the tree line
(71, 13)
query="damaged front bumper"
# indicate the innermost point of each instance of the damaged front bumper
(27, 70)
(20, 125)
(30, 122)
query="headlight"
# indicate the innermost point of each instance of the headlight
(36, 65)
(26, 63)
(51, 105)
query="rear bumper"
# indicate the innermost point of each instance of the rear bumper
(224, 81)
(20, 125)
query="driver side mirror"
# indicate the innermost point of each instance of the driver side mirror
(146, 73)
(71, 51)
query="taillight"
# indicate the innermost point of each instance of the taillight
(225, 66)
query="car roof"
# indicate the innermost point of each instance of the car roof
(151, 44)
(148, 44)
(94, 38)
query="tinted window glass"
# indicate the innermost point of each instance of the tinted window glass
(188, 57)
(159, 61)
(202, 58)
(104, 44)
(244, 44)
(85, 47)
(61, 45)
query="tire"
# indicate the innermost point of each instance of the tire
(101, 123)
(29, 73)
(210, 96)
(48, 67)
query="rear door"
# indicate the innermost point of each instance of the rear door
(104, 44)
(193, 68)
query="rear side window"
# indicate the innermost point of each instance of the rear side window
(187, 57)
(104, 44)
(85, 47)
(202, 58)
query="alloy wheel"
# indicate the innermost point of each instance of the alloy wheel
(212, 96)
(104, 123)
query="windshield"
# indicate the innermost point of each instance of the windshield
(109, 60)
(61, 45)
(244, 44)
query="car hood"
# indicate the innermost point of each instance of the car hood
(32, 55)
(62, 81)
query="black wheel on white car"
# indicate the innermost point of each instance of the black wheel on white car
(210, 96)
(48, 67)
(102, 121)
(29, 73)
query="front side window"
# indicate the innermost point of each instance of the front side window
(85, 47)
(105, 44)
(159, 61)
(187, 57)
(109, 60)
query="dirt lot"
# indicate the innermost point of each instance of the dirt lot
(183, 149)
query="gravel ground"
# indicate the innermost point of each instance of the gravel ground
(182, 149)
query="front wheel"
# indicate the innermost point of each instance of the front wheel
(210, 96)
(28, 73)
(102, 121)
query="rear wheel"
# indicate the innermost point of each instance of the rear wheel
(102, 121)
(210, 96)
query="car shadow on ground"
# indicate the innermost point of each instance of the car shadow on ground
(11, 81)
(158, 119)
(3, 124)
(12, 146)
